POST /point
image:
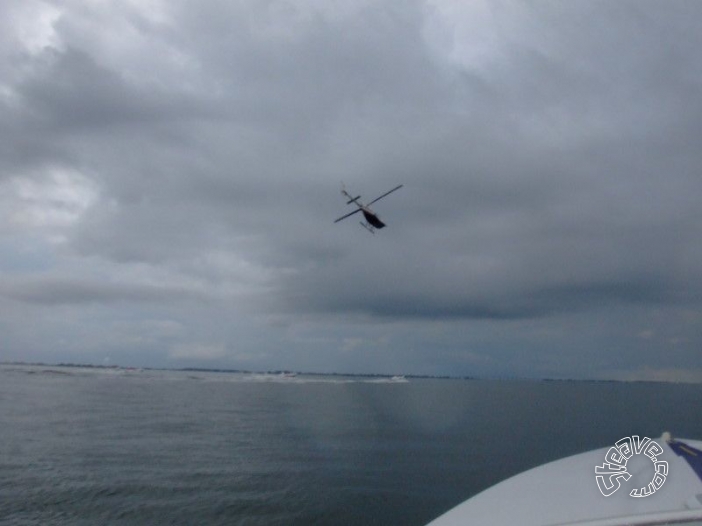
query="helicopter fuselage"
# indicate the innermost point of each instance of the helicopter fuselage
(372, 219)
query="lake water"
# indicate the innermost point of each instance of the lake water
(105, 446)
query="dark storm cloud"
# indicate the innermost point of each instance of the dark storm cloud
(550, 154)
(270, 130)
(484, 286)
(72, 91)
(566, 192)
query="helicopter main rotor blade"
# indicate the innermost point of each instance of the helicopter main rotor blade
(347, 215)
(385, 194)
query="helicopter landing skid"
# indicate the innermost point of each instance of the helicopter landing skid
(367, 227)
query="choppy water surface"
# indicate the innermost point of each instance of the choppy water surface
(106, 446)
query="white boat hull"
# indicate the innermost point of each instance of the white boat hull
(566, 492)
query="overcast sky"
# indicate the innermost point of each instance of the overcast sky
(170, 173)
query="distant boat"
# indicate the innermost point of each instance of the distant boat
(398, 378)
(567, 492)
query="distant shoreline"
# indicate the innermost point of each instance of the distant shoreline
(333, 374)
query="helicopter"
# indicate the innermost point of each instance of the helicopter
(373, 222)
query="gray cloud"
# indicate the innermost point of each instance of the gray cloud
(549, 154)
(53, 291)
